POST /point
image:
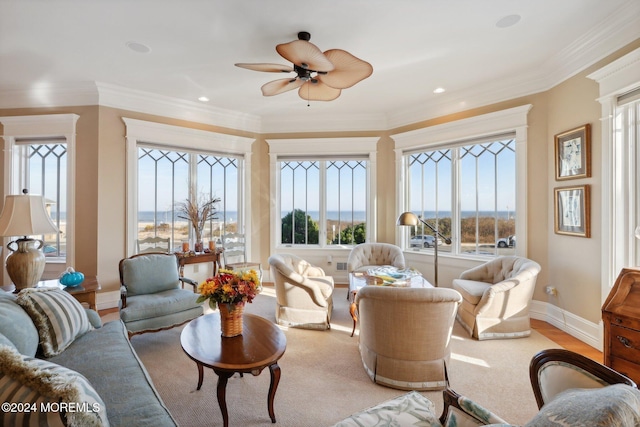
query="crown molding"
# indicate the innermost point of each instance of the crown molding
(145, 102)
(619, 29)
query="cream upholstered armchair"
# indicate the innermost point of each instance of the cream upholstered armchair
(405, 335)
(368, 255)
(304, 294)
(496, 297)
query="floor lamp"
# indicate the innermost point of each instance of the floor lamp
(409, 218)
(24, 215)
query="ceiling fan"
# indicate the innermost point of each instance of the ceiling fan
(319, 76)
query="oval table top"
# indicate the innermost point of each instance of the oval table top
(261, 344)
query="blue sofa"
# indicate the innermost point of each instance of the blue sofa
(100, 357)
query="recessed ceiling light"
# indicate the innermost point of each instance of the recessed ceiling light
(508, 21)
(203, 99)
(438, 90)
(138, 47)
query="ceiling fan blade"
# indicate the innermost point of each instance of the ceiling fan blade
(305, 54)
(318, 91)
(279, 86)
(348, 70)
(269, 68)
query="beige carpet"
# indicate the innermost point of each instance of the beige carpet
(323, 380)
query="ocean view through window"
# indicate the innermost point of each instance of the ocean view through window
(164, 180)
(478, 178)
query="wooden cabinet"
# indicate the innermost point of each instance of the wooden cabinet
(621, 318)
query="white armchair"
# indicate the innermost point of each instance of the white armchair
(368, 255)
(496, 297)
(304, 294)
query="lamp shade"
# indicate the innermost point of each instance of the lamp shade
(25, 215)
(407, 218)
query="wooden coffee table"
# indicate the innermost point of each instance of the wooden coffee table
(357, 280)
(261, 345)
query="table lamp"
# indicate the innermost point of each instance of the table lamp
(25, 215)
(409, 218)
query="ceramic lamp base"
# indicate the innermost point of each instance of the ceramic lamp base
(26, 264)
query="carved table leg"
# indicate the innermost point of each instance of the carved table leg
(222, 395)
(354, 315)
(275, 379)
(200, 375)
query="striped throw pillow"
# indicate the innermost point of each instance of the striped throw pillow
(58, 316)
(37, 392)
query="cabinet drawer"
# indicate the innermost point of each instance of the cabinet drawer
(624, 321)
(626, 368)
(625, 343)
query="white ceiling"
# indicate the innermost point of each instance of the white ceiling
(49, 48)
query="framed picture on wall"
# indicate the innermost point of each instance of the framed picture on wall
(573, 153)
(572, 211)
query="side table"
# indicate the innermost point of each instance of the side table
(84, 293)
(261, 345)
(213, 257)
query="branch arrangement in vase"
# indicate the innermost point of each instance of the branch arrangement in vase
(198, 212)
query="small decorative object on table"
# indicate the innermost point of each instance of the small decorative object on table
(230, 291)
(71, 278)
(198, 212)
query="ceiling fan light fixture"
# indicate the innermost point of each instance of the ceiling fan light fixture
(318, 92)
(348, 71)
(320, 76)
(269, 68)
(306, 54)
(277, 87)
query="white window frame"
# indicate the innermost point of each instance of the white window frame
(315, 148)
(513, 120)
(181, 138)
(41, 127)
(620, 170)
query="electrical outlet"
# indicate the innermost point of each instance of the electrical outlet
(550, 290)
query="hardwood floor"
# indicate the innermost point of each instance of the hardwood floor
(566, 341)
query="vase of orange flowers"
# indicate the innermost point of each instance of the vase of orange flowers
(229, 291)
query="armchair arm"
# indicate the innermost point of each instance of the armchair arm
(496, 296)
(191, 282)
(300, 281)
(457, 406)
(313, 271)
(479, 273)
(123, 296)
(313, 289)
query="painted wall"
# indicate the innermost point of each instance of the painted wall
(101, 202)
(574, 262)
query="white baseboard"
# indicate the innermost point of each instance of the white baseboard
(106, 300)
(582, 329)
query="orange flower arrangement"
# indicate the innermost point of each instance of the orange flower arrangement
(230, 287)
